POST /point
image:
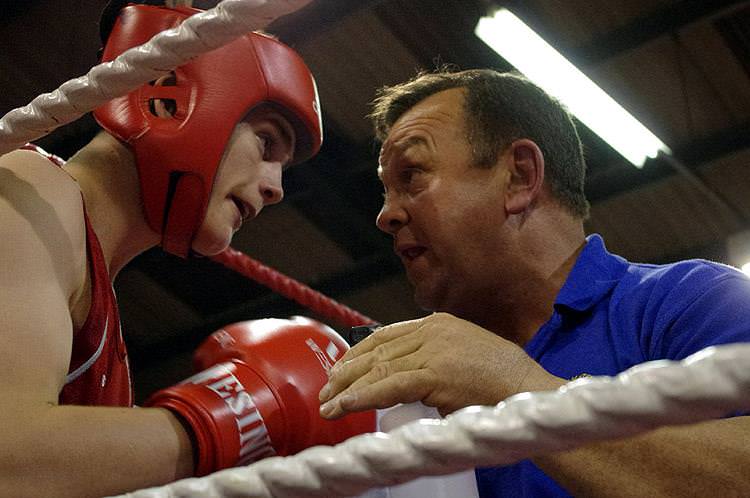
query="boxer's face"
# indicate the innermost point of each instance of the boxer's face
(445, 214)
(248, 178)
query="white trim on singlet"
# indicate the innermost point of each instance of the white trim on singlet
(127, 370)
(80, 370)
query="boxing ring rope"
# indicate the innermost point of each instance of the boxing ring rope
(706, 385)
(167, 50)
(291, 289)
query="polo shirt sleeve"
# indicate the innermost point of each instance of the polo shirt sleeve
(701, 305)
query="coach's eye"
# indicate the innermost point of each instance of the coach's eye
(408, 175)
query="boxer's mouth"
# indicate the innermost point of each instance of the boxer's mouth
(245, 209)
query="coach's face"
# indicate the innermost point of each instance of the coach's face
(445, 215)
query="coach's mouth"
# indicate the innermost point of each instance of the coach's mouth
(410, 252)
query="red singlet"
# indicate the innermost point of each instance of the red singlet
(99, 373)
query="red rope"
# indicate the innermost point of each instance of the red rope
(291, 289)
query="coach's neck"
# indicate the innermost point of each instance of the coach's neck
(540, 252)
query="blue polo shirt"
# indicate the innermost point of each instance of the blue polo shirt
(612, 314)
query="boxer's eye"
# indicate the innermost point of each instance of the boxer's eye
(163, 108)
(266, 146)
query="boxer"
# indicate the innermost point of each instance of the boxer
(181, 162)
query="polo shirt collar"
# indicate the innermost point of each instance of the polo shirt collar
(594, 274)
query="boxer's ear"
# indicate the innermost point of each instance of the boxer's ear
(525, 163)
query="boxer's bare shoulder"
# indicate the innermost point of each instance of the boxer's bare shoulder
(42, 174)
(42, 239)
(42, 204)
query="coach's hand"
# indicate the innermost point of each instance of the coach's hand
(441, 360)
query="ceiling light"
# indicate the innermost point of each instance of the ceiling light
(537, 60)
(738, 250)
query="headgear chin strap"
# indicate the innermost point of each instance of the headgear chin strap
(177, 156)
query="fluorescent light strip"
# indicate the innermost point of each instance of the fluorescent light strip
(542, 64)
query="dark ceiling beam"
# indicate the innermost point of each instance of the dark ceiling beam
(9, 9)
(316, 18)
(341, 223)
(446, 36)
(693, 155)
(722, 143)
(713, 251)
(635, 33)
(644, 29)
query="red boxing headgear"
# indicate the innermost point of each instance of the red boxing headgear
(177, 157)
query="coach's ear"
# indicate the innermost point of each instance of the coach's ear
(525, 163)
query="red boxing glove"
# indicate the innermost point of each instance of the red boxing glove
(259, 397)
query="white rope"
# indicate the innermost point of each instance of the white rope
(139, 65)
(706, 385)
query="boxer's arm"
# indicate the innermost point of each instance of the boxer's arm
(50, 450)
(72, 451)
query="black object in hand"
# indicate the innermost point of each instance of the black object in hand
(357, 334)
